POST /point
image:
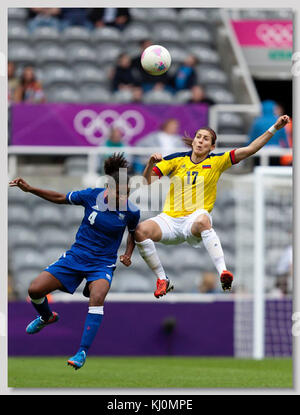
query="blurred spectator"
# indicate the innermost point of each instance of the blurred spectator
(143, 79)
(186, 76)
(12, 82)
(77, 16)
(284, 271)
(110, 16)
(198, 96)
(122, 74)
(167, 140)
(11, 294)
(30, 89)
(208, 283)
(137, 94)
(114, 140)
(44, 16)
(269, 115)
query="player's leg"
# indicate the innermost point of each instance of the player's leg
(146, 234)
(98, 291)
(44, 284)
(202, 227)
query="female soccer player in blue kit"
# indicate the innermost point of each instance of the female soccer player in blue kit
(93, 255)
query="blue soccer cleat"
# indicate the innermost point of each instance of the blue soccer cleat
(38, 324)
(78, 360)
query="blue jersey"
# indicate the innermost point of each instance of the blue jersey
(101, 231)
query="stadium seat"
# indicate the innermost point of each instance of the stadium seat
(21, 53)
(188, 16)
(131, 281)
(48, 215)
(178, 54)
(27, 258)
(21, 236)
(136, 32)
(122, 96)
(167, 34)
(52, 254)
(16, 196)
(74, 34)
(204, 54)
(50, 237)
(19, 215)
(88, 72)
(57, 75)
(45, 33)
(17, 31)
(50, 53)
(22, 280)
(140, 14)
(228, 121)
(219, 95)
(189, 281)
(17, 13)
(92, 93)
(108, 53)
(63, 94)
(158, 97)
(73, 216)
(75, 165)
(163, 15)
(78, 52)
(209, 75)
(104, 35)
(197, 35)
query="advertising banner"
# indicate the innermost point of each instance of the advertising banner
(90, 124)
(267, 46)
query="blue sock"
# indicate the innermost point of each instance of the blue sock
(91, 326)
(42, 307)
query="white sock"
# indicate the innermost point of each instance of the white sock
(148, 252)
(213, 246)
(96, 309)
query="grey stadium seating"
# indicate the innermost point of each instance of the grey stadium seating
(106, 35)
(74, 34)
(17, 31)
(63, 93)
(21, 53)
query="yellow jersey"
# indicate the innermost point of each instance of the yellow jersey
(192, 185)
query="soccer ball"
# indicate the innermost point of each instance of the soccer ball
(156, 60)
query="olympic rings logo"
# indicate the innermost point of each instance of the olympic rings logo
(275, 34)
(96, 127)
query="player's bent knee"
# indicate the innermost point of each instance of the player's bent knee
(35, 292)
(142, 232)
(201, 224)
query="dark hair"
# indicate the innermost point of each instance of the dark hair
(188, 140)
(113, 164)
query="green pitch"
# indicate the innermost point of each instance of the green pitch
(150, 372)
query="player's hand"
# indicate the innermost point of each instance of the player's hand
(282, 122)
(21, 183)
(155, 158)
(125, 259)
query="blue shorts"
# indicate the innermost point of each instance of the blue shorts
(71, 274)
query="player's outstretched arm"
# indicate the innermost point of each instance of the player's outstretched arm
(49, 195)
(244, 152)
(148, 172)
(130, 245)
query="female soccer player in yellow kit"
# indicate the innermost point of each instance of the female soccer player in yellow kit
(192, 194)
